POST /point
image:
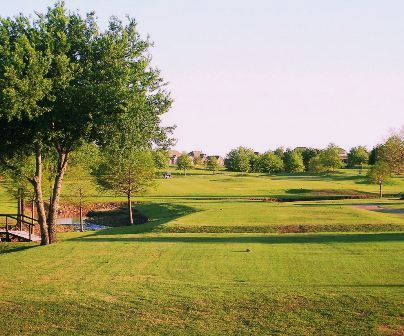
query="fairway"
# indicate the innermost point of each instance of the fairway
(123, 284)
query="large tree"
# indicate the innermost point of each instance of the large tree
(293, 161)
(270, 163)
(64, 83)
(240, 159)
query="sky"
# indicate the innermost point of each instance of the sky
(264, 73)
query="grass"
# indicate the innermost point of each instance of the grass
(212, 262)
(248, 216)
(118, 282)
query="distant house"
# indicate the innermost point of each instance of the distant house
(173, 157)
(194, 155)
(343, 155)
(198, 155)
(220, 159)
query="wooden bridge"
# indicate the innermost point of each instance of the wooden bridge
(19, 227)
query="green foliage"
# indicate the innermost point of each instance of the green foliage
(357, 156)
(161, 159)
(64, 83)
(240, 159)
(308, 154)
(379, 173)
(212, 164)
(280, 151)
(270, 163)
(293, 161)
(327, 160)
(330, 158)
(83, 162)
(392, 153)
(197, 161)
(126, 170)
(184, 162)
(374, 154)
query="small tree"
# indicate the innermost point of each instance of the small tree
(184, 162)
(379, 174)
(198, 161)
(293, 161)
(212, 164)
(161, 159)
(357, 156)
(126, 170)
(82, 162)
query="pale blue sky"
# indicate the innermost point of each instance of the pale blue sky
(265, 73)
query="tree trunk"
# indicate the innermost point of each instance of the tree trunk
(130, 208)
(81, 212)
(57, 187)
(40, 207)
(380, 190)
(81, 219)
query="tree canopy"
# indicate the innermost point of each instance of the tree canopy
(184, 162)
(63, 83)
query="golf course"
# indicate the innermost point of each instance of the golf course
(201, 168)
(216, 261)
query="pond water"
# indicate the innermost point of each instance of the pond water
(75, 222)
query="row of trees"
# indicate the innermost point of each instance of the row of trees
(65, 84)
(291, 161)
(328, 159)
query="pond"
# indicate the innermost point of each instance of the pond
(75, 222)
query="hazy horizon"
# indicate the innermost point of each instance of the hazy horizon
(270, 73)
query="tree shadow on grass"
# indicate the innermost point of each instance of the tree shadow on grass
(248, 239)
(14, 249)
(157, 213)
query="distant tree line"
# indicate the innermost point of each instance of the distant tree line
(298, 160)
(329, 159)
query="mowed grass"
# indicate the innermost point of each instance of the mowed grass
(250, 216)
(296, 186)
(123, 283)
(211, 262)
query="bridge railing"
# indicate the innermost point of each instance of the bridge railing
(18, 222)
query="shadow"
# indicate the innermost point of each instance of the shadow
(356, 205)
(243, 239)
(16, 249)
(299, 191)
(365, 286)
(157, 214)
